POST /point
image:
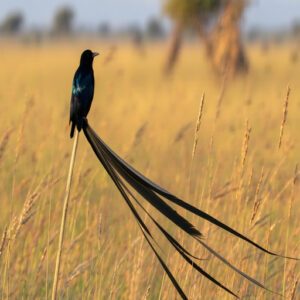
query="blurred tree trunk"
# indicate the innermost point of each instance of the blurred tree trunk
(203, 34)
(224, 47)
(175, 47)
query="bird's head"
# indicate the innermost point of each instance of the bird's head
(87, 58)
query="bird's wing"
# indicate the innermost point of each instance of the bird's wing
(74, 107)
(83, 86)
(82, 94)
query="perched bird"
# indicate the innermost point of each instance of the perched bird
(137, 190)
(82, 90)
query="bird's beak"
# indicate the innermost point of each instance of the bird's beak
(95, 54)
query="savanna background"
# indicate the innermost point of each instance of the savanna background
(203, 98)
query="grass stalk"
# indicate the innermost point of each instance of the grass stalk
(196, 137)
(288, 228)
(284, 116)
(64, 217)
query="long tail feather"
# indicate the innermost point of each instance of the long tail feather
(113, 177)
(140, 222)
(185, 254)
(146, 232)
(175, 243)
(226, 262)
(160, 205)
(124, 167)
(118, 170)
(182, 251)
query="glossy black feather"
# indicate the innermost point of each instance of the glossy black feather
(141, 224)
(130, 171)
(186, 254)
(119, 170)
(82, 91)
(102, 156)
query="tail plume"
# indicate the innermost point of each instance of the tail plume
(126, 178)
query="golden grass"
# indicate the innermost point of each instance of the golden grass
(243, 180)
(284, 117)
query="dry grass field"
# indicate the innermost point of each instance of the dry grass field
(238, 173)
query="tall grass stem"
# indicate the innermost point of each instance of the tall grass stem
(64, 217)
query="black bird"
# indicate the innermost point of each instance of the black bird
(134, 187)
(82, 90)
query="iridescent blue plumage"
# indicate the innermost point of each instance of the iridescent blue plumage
(82, 90)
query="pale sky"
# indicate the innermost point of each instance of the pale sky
(264, 13)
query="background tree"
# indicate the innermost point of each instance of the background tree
(136, 36)
(155, 29)
(218, 25)
(224, 47)
(296, 30)
(295, 35)
(104, 30)
(192, 13)
(63, 21)
(13, 23)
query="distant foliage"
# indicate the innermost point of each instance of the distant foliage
(184, 11)
(104, 29)
(225, 47)
(195, 14)
(13, 23)
(63, 21)
(155, 28)
(296, 30)
(217, 23)
(135, 32)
